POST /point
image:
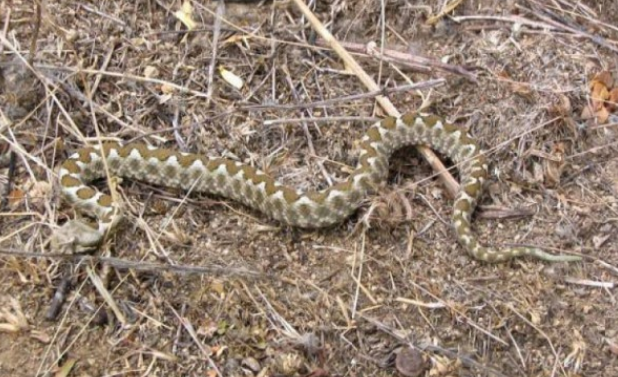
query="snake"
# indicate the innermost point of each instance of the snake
(254, 188)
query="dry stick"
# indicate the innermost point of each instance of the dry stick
(577, 31)
(512, 19)
(451, 184)
(548, 25)
(126, 76)
(215, 49)
(106, 61)
(446, 10)
(417, 62)
(35, 33)
(156, 268)
(98, 12)
(60, 296)
(4, 202)
(327, 119)
(354, 97)
(5, 29)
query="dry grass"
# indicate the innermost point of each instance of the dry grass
(199, 286)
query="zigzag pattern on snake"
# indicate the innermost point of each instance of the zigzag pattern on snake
(256, 189)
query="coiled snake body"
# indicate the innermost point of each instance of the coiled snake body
(255, 189)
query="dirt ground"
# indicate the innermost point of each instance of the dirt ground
(202, 286)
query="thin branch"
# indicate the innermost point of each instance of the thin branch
(123, 264)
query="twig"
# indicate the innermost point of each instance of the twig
(4, 202)
(559, 22)
(122, 264)
(591, 283)
(405, 58)
(126, 76)
(107, 296)
(327, 119)
(451, 184)
(353, 97)
(215, 49)
(35, 32)
(447, 9)
(59, 295)
(512, 19)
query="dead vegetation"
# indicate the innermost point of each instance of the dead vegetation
(201, 286)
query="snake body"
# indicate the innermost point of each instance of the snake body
(254, 188)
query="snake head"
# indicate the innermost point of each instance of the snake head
(76, 237)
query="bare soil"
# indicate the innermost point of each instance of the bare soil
(196, 285)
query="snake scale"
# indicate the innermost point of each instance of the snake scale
(254, 188)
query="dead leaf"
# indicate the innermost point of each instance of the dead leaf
(605, 78)
(151, 71)
(231, 78)
(587, 113)
(612, 101)
(598, 94)
(167, 89)
(15, 197)
(522, 89)
(66, 368)
(185, 15)
(602, 115)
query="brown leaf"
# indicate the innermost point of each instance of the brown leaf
(15, 197)
(612, 101)
(605, 78)
(522, 89)
(602, 115)
(599, 94)
(587, 113)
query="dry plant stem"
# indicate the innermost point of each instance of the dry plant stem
(542, 12)
(421, 63)
(156, 268)
(215, 46)
(35, 33)
(100, 286)
(447, 9)
(548, 25)
(452, 186)
(354, 97)
(4, 202)
(60, 296)
(512, 19)
(126, 76)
